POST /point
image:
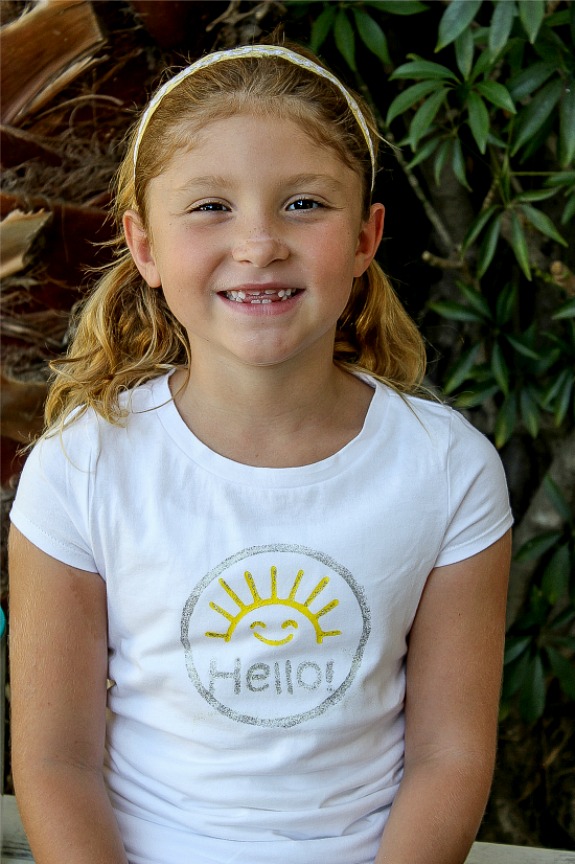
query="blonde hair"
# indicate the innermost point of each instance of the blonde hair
(126, 334)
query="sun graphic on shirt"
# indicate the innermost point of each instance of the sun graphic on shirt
(289, 606)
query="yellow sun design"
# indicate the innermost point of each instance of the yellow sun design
(260, 602)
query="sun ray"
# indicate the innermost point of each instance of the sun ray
(231, 593)
(327, 608)
(317, 590)
(252, 586)
(295, 585)
(223, 612)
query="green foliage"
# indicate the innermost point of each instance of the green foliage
(527, 374)
(487, 95)
(540, 646)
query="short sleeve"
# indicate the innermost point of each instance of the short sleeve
(478, 500)
(52, 503)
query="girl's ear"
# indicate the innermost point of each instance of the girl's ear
(140, 247)
(369, 239)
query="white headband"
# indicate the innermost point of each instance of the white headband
(255, 51)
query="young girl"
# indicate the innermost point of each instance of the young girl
(258, 584)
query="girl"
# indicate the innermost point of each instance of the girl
(282, 571)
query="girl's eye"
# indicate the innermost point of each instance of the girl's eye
(209, 207)
(304, 204)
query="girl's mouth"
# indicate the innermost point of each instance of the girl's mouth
(265, 296)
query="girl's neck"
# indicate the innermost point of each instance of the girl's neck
(270, 417)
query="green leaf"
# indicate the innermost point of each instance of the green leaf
(514, 646)
(556, 387)
(477, 227)
(477, 395)
(515, 674)
(454, 311)
(565, 311)
(555, 582)
(564, 670)
(519, 244)
(475, 299)
(321, 27)
(542, 222)
(464, 49)
(478, 120)
(537, 546)
(505, 304)
(344, 36)
(499, 368)
(460, 371)
(531, 119)
(526, 82)
(531, 13)
(424, 117)
(564, 397)
(558, 395)
(440, 160)
(424, 152)
(532, 696)
(458, 164)
(569, 211)
(484, 65)
(497, 94)
(488, 245)
(567, 126)
(557, 498)
(561, 178)
(521, 347)
(398, 7)
(422, 69)
(506, 421)
(408, 98)
(501, 24)
(530, 413)
(536, 195)
(371, 35)
(457, 17)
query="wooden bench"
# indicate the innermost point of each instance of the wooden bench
(15, 849)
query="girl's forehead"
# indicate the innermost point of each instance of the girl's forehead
(276, 134)
(230, 124)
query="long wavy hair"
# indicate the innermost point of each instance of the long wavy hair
(125, 333)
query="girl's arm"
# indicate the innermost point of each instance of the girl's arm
(58, 651)
(454, 664)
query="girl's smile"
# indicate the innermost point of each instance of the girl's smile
(255, 236)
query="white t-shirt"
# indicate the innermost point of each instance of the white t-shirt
(258, 617)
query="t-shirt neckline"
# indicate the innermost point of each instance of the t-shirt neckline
(182, 436)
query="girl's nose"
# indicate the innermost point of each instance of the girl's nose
(260, 249)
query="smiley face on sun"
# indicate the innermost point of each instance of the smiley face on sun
(289, 622)
(277, 609)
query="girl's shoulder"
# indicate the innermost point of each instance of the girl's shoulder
(435, 430)
(430, 413)
(84, 433)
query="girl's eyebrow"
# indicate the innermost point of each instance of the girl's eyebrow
(201, 183)
(325, 180)
(211, 181)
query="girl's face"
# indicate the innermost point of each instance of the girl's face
(255, 236)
